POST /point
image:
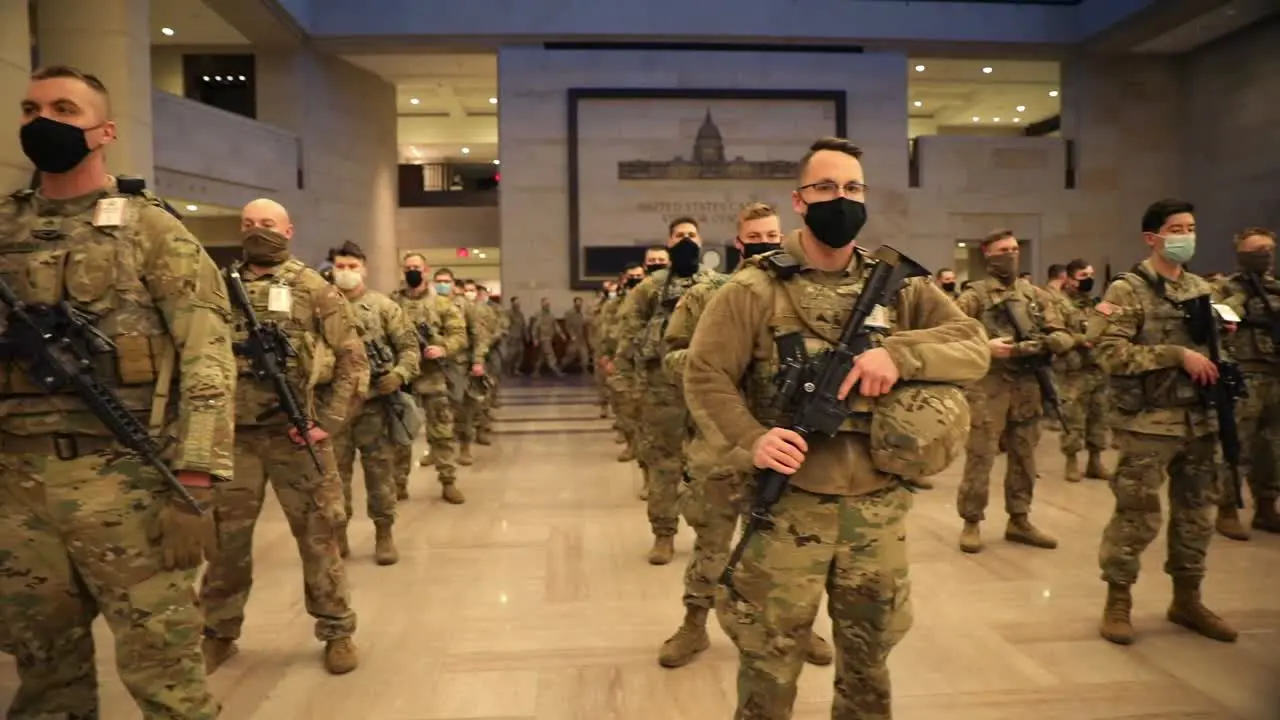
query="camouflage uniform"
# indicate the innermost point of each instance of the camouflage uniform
(1253, 345)
(643, 317)
(517, 338)
(595, 341)
(621, 381)
(484, 330)
(78, 514)
(1007, 404)
(575, 325)
(545, 329)
(330, 368)
(383, 323)
(840, 526)
(1139, 335)
(1082, 387)
(449, 331)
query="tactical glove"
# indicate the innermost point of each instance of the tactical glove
(388, 383)
(185, 538)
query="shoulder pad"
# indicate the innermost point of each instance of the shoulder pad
(129, 185)
(781, 264)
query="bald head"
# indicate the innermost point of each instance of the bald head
(265, 213)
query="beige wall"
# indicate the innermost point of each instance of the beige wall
(166, 69)
(449, 227)
(346, 120)
(15, 68)
(215, 231)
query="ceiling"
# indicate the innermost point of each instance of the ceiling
(954, 92)
(192, 23)
(1210, 26)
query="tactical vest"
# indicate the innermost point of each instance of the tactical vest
(98, 271)
(648, 347)
(1253, 342)
(310, 365)
(996, 320)
(368, 310)
(806, 315)
(1163, 323)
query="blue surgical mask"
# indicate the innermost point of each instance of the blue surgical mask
(444, 288)
(1178, 248)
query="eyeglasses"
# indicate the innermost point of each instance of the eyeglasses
(827, 189)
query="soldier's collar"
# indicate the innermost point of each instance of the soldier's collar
(792, 245)
(67, 207)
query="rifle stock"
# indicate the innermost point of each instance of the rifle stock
(1221, 396)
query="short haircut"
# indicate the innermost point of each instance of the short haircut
(1160, 211)
(1056, 269)
(755, 211)
(468, 281)
(348, 249)
(996, 237)
(445, 272)
(1076, 266)
(656, 248)
(632, 266)
(828, 143)
(95, 84)
(1249, 232)
(418, 255)
(942, 270)
(682, 220)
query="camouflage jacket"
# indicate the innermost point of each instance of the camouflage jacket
(643, 318)
(544, 327)
(1074, 310)
(986, 301)
(448, 331)
(1253, 344)
(483, 325)
(386, 327)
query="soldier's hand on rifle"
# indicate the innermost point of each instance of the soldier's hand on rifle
(874, 372)
(186, 539)
(477, 369)
(314, 435)
(433, 352)
(388, 384)
(780, 449)
(1200, 368)
(1000, 348)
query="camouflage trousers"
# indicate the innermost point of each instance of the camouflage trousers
(1258, 424)
(474, 401)
(711, 509)
(1000, 410)
(626, 405)
(855, 550)
(1084, 404)
(1145, 460)
(76, 542)
(546, 356)
(603, 394)
(312, 504)
(577, 350)
(369, 434)
(661, 448)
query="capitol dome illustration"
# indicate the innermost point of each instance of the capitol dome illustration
(709, 162)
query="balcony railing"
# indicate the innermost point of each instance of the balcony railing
(449, 185)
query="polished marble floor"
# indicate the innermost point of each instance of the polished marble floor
(534, 602)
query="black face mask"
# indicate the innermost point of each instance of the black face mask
(837, 222)
(634, 281)
(413, 278)
(750, 250)
(1086, 284)
(685, 255)
(949, 287)
(653, 268)
(52, 146)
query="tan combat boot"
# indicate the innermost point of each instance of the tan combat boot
(464, 454)
(340, 656)
(664, 548)
(1072, 471)
(482, 437)
(619, 437)
(971, 537)
(452, 495)
(1265, 517)
(1228, 523)
(627, 455)
(1094, 469)
(1187, 610)
(1116, 625)
(384, 545)
(1020, 530)
(690, 639)
(425, 460)
(217, 651)
(344, 548)
(818, 651)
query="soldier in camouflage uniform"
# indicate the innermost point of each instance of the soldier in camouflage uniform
(1082, 385)
(1142, 339)
(946, 280)
(1007, 403)
(630, 371)
(386, 331)
(575, 325)
(841, 524)
(595, 340)
(327, 375)
(715, 484)
(517, 338)
(1254, 294)
(483, 324)
(85, 527)
(544, 329)
(644, 317)
(447, 337)
(458, 365)
(615, 364)
(492, 363)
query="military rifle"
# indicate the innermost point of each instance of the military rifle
(58, 344)
(268, 351)
(1221, 396)
(808, 388)
(1041, 365)
(381, 362)
(1253, 281)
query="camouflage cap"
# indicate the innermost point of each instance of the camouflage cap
(919, 428)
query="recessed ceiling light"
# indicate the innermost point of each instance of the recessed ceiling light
(1021, 108)
(414, 101)
(988, 70)
(975, 118)
(918, 103)
(480, 255)
(1053, 93)
(192, 208)
(995, 119)
(1017, 120)
(218, 78)
(466, 151)
(919, 68)
(167, 32)
(497, 162)
(206, 78)
(960, 244)
(493, 101)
